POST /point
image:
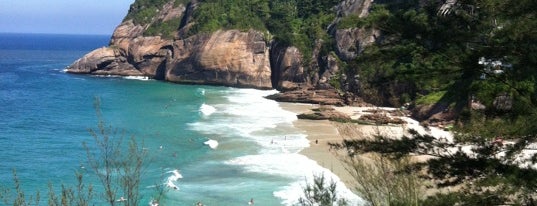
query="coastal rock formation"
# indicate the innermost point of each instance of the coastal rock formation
(230, 58)
(311, 96)
(351, 42)
(287, 68)
(103, 61)
(141, 47)
(354, 7)
(325, 113)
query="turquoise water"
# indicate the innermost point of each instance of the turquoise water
(46, 114)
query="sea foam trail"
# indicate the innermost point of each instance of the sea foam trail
(173, 178)
(213, 144)
(297, 167)
(207, 110)
(245, 116)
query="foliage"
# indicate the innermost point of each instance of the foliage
(213, 15)
(296, 23)
(143, 11)
(384, 181)
(431, 98)
(321, 193)
(117, 167)
(18, 197)
(119, 172)
(164, 29)
(482, 177)
(432, 58)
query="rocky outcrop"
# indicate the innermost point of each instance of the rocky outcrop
(325, 113)
(310, 96)
(104, 61)
(351, 42)
(354, 7)
(226, 57)
(230, 58)
(287, 68)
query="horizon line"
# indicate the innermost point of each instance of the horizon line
(50, 33)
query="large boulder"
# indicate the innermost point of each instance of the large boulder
(231, 58)
(287, 67)
(103, 61)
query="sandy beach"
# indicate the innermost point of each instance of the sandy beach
(322, 132)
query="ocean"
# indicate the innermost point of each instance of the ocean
(229, 145)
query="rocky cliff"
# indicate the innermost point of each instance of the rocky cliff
(140, 47)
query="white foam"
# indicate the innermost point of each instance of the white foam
(200, 92)
(294, 166)
(206, 109)
(142, 78)
(245, 114)
(172, 179)
(213, 144)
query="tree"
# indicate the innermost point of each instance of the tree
(321, 193)
(118, 168)
(384, 181)
(483, 175)
(119, 172)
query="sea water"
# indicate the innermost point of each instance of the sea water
(215, 145)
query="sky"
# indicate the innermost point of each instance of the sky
(62, 16)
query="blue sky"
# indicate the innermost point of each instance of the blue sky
(62, 16)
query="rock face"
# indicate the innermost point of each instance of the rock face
(231, 58)
(351, 42)
(287, 67)
(226, 57)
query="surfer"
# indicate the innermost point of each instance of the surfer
(251, 202)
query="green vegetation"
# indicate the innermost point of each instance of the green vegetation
(117, 167)
(293, 23)
(431, 98)
(143, 11)
(321, 193)
(164, 29)
(384, 181)
(429, 58)
(213, 15)
(441, 59)
(480, 178)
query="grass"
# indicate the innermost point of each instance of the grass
(431, 98)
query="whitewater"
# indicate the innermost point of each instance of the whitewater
(216, 145)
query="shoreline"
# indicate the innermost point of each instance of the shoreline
(320, 133)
